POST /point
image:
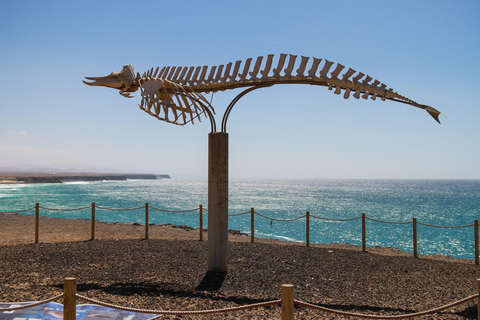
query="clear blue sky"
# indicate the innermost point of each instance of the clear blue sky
(425, 50)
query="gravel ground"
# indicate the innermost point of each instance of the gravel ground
(171, 274)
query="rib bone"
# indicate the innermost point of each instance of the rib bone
(173, 93)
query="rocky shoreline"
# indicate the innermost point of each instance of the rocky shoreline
(168, 272)
(23, 178)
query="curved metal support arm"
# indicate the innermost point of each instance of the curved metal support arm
(206, 109)
(213, 125)
(235, 100)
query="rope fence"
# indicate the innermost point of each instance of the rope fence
(451, 227)
(65, 209)
(18, 211)
(287, 303)
(400, 316)
(112, 209)
(172, 211)
(391, 222)
(33, 304)
(180, 312)
(307, 217)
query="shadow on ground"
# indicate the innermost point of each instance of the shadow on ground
(212, 282)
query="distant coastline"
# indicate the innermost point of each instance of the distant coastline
(43, 177)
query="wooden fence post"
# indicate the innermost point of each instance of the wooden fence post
(287, 302)
(364, 231)
(200, 209)
(475, 223)
(415, 237)
(252, 224)
(307, 240)
(37, 220)
(69, 299)
(93, 221)
(146, 220)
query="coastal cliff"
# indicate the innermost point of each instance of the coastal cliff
(24, 178)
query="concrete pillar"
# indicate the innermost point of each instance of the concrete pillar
(218, 202)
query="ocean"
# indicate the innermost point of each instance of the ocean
(432, 202)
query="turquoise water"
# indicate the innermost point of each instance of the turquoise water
(435, 202)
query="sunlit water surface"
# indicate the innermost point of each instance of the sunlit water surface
(435, 202)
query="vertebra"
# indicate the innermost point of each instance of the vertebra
(176, 95)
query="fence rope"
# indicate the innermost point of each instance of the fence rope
(415, 223)
(401, 316)
(238, 214)
(274, 219)
(99, 207)
(75, 209)
(350, 219)
(18, 211)
(33, 304)
(431, 225)
(172, 211)
(391, 222)
(173, 312)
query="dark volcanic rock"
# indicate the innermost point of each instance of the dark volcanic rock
(171, 275)
(63, 177)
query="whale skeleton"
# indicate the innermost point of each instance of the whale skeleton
(175, 94)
